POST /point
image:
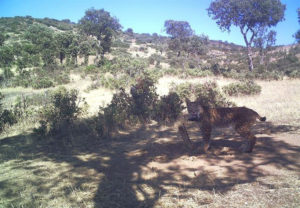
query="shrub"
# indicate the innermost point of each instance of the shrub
(120, 44)
(62, 78)
(144, 98)
(207, 93)
(197, 72)
(90, 69)
(168, 108)
(115, 115)
(182, 90)
(7, 117)
(61, 112)
(242, 88)
(42, 82)
(138, 106)
(210, 95)
(155, 59)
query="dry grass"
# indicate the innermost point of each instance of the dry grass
(148, 166)
(279, 101)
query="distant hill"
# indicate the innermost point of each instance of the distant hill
(27, 51)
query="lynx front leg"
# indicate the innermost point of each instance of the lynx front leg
(206, 132)
(185, 137)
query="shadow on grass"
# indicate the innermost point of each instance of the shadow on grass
(138, 168)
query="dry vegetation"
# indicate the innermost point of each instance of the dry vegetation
(148, 166)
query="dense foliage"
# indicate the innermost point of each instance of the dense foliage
(100, 24)
(57, 117)
(242, 88)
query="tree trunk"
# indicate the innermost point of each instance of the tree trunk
(248, 45)
(250, 60)
(61, 57)
(262, 56)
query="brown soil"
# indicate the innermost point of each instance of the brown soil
(153, 161)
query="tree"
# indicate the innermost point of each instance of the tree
(297, 35)
(63, 41)
(100, 24)
(249, 16)
(197, 45)
(129, 31)
(180, 32)
(43, 38)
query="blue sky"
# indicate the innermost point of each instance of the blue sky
(148, 16)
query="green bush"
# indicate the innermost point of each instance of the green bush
(183, 90)
(155, 59)
(61, 112)
(115, 115)
(91, 69)
(144, 97)
(120, 44)
(242, 88)
(197, 72)
(62, 78)
(168, 108)
(207, 93)
(138, 106)
(7, 117)
(44, 82)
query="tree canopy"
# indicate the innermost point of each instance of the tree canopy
(100, 24)
(180, 32)
(178, 29)
(250, 16)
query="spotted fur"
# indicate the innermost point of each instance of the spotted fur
(241, 118)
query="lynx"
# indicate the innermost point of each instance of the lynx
(241, 118)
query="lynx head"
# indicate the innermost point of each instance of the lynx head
(194, 109)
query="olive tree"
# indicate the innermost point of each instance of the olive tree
(100, 24)
(64, 41)
(180, 32)
(249, 16)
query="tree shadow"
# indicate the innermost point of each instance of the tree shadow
(138, 168)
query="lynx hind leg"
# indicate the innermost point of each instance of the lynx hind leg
(206, 132)
(244, 131)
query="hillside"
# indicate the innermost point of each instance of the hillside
(20, 36)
